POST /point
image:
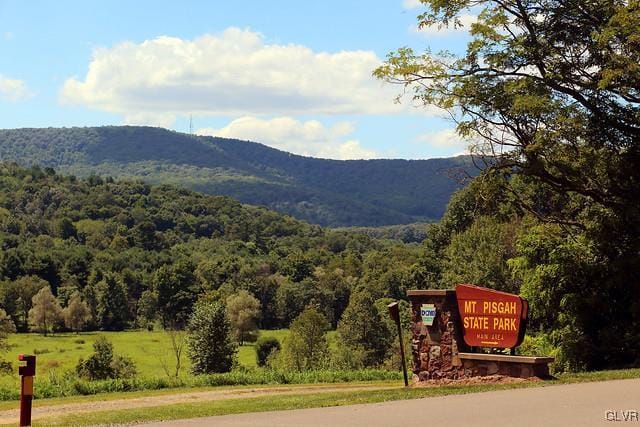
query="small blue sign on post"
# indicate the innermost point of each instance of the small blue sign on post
(428, 313)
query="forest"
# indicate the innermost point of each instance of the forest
(136, 255)
(321, 191)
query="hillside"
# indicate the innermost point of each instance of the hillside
(326, 192)
(137, 252)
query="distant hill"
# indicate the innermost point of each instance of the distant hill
(326, 192)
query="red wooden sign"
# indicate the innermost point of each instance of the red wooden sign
(491, 318)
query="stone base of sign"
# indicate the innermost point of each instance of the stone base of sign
(480, 365)
(435, 348)
(439, 350)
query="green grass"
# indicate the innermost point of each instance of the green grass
(147, 349)
(333, 398)
(59, 353)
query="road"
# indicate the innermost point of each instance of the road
(585, 404)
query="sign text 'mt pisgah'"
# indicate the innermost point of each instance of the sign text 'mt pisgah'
(491, 318)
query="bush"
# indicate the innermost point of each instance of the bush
(102, 364)
(264, 348)
(123, 367)
(6, 367)
(252, 336)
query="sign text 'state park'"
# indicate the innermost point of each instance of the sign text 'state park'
(491, 318)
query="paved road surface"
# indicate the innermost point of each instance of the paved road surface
(583, 404)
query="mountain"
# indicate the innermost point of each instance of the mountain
(322, 191)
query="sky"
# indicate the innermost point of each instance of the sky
(289, 74)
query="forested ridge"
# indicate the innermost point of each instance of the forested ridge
(321, 191)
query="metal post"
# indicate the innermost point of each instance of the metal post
(394, 311)
(27, 373)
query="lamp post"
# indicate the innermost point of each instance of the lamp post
(394, 312)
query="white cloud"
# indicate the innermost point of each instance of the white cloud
(13, 90)
(437, 30)
(233, 73)
(309, 138)
(446, 140)
(411, 4)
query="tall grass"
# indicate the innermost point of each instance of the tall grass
(68, 384)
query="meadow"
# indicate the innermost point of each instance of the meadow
(150, 350)
(58, 354)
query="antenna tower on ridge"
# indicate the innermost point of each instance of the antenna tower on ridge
(190, 124)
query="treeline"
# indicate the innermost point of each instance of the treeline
(136, 254)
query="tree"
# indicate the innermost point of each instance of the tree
(176, 288)
(178, 339)
(210, 346)
(45, 311)
(297, 266)
(292, 298)
(147, 309)
(550, 86)
(6, 327)
(65, 228)
(362, 329)
(480, 254)
(112, 309)
(244, 311)
(550, 92)
(16, 299)
(76, 314)
(264, 288)
(306, 346)
(337, 288)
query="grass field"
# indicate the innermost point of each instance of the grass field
(149, 350)
(152, 353)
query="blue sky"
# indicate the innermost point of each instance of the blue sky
(290, 74)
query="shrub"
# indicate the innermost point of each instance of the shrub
(264, 348)
(103, 365)
(123, 367)
(6, 367)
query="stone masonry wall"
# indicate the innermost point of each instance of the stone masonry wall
(435, 348)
